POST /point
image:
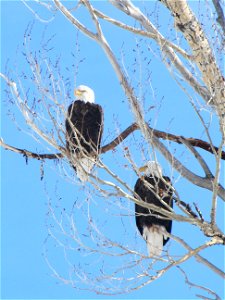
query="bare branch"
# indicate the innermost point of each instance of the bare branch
(216, 186)
(143, 33)
(28, 115)
(191, 284)
(199, 257)
(119, 138)
(200, 159)
(127, 7)
(197, 180)
(203, 182)
(187, 23)
(192, 141)
(221, 17)
(199, 212)
(36, 15)
(186, 207)
(30, 154)
(74, 21)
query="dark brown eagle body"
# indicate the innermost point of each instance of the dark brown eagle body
(84, 130)
(84, 127)
(148, 192)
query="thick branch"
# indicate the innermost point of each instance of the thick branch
(110, 146)
(203, 182)
(120, 138)
(188, 24)
(157, 133)
(192, 141)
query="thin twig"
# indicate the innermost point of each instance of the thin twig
(191, 284)
(36, 15)
(186, 206)
(199, 212)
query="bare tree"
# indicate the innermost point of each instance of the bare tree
(192, 53)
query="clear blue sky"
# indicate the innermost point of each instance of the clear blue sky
(25, 199)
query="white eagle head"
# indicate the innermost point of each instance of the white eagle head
(84, 93)
(152, 168)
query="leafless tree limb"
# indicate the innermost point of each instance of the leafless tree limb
(30, 154)
(127, 7)
(192, 141)
(199, 257)
(200, 159)
(197, 180)
(191, 284)
(36, 15)
(219, 10)
(143, 33)
(74, 21)
(216, 187)
(187, 23)
(110, 146)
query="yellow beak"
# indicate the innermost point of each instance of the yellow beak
(142, 169)
(77, 93)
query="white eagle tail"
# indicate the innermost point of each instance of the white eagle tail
(154, 238)
(83, 169)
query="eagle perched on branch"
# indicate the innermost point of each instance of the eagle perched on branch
(155, 189)
(84, 127)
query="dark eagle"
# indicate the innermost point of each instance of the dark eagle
(156, 189)
(84, 126)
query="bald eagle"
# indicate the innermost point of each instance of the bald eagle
(155, 189)
(84, 126)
